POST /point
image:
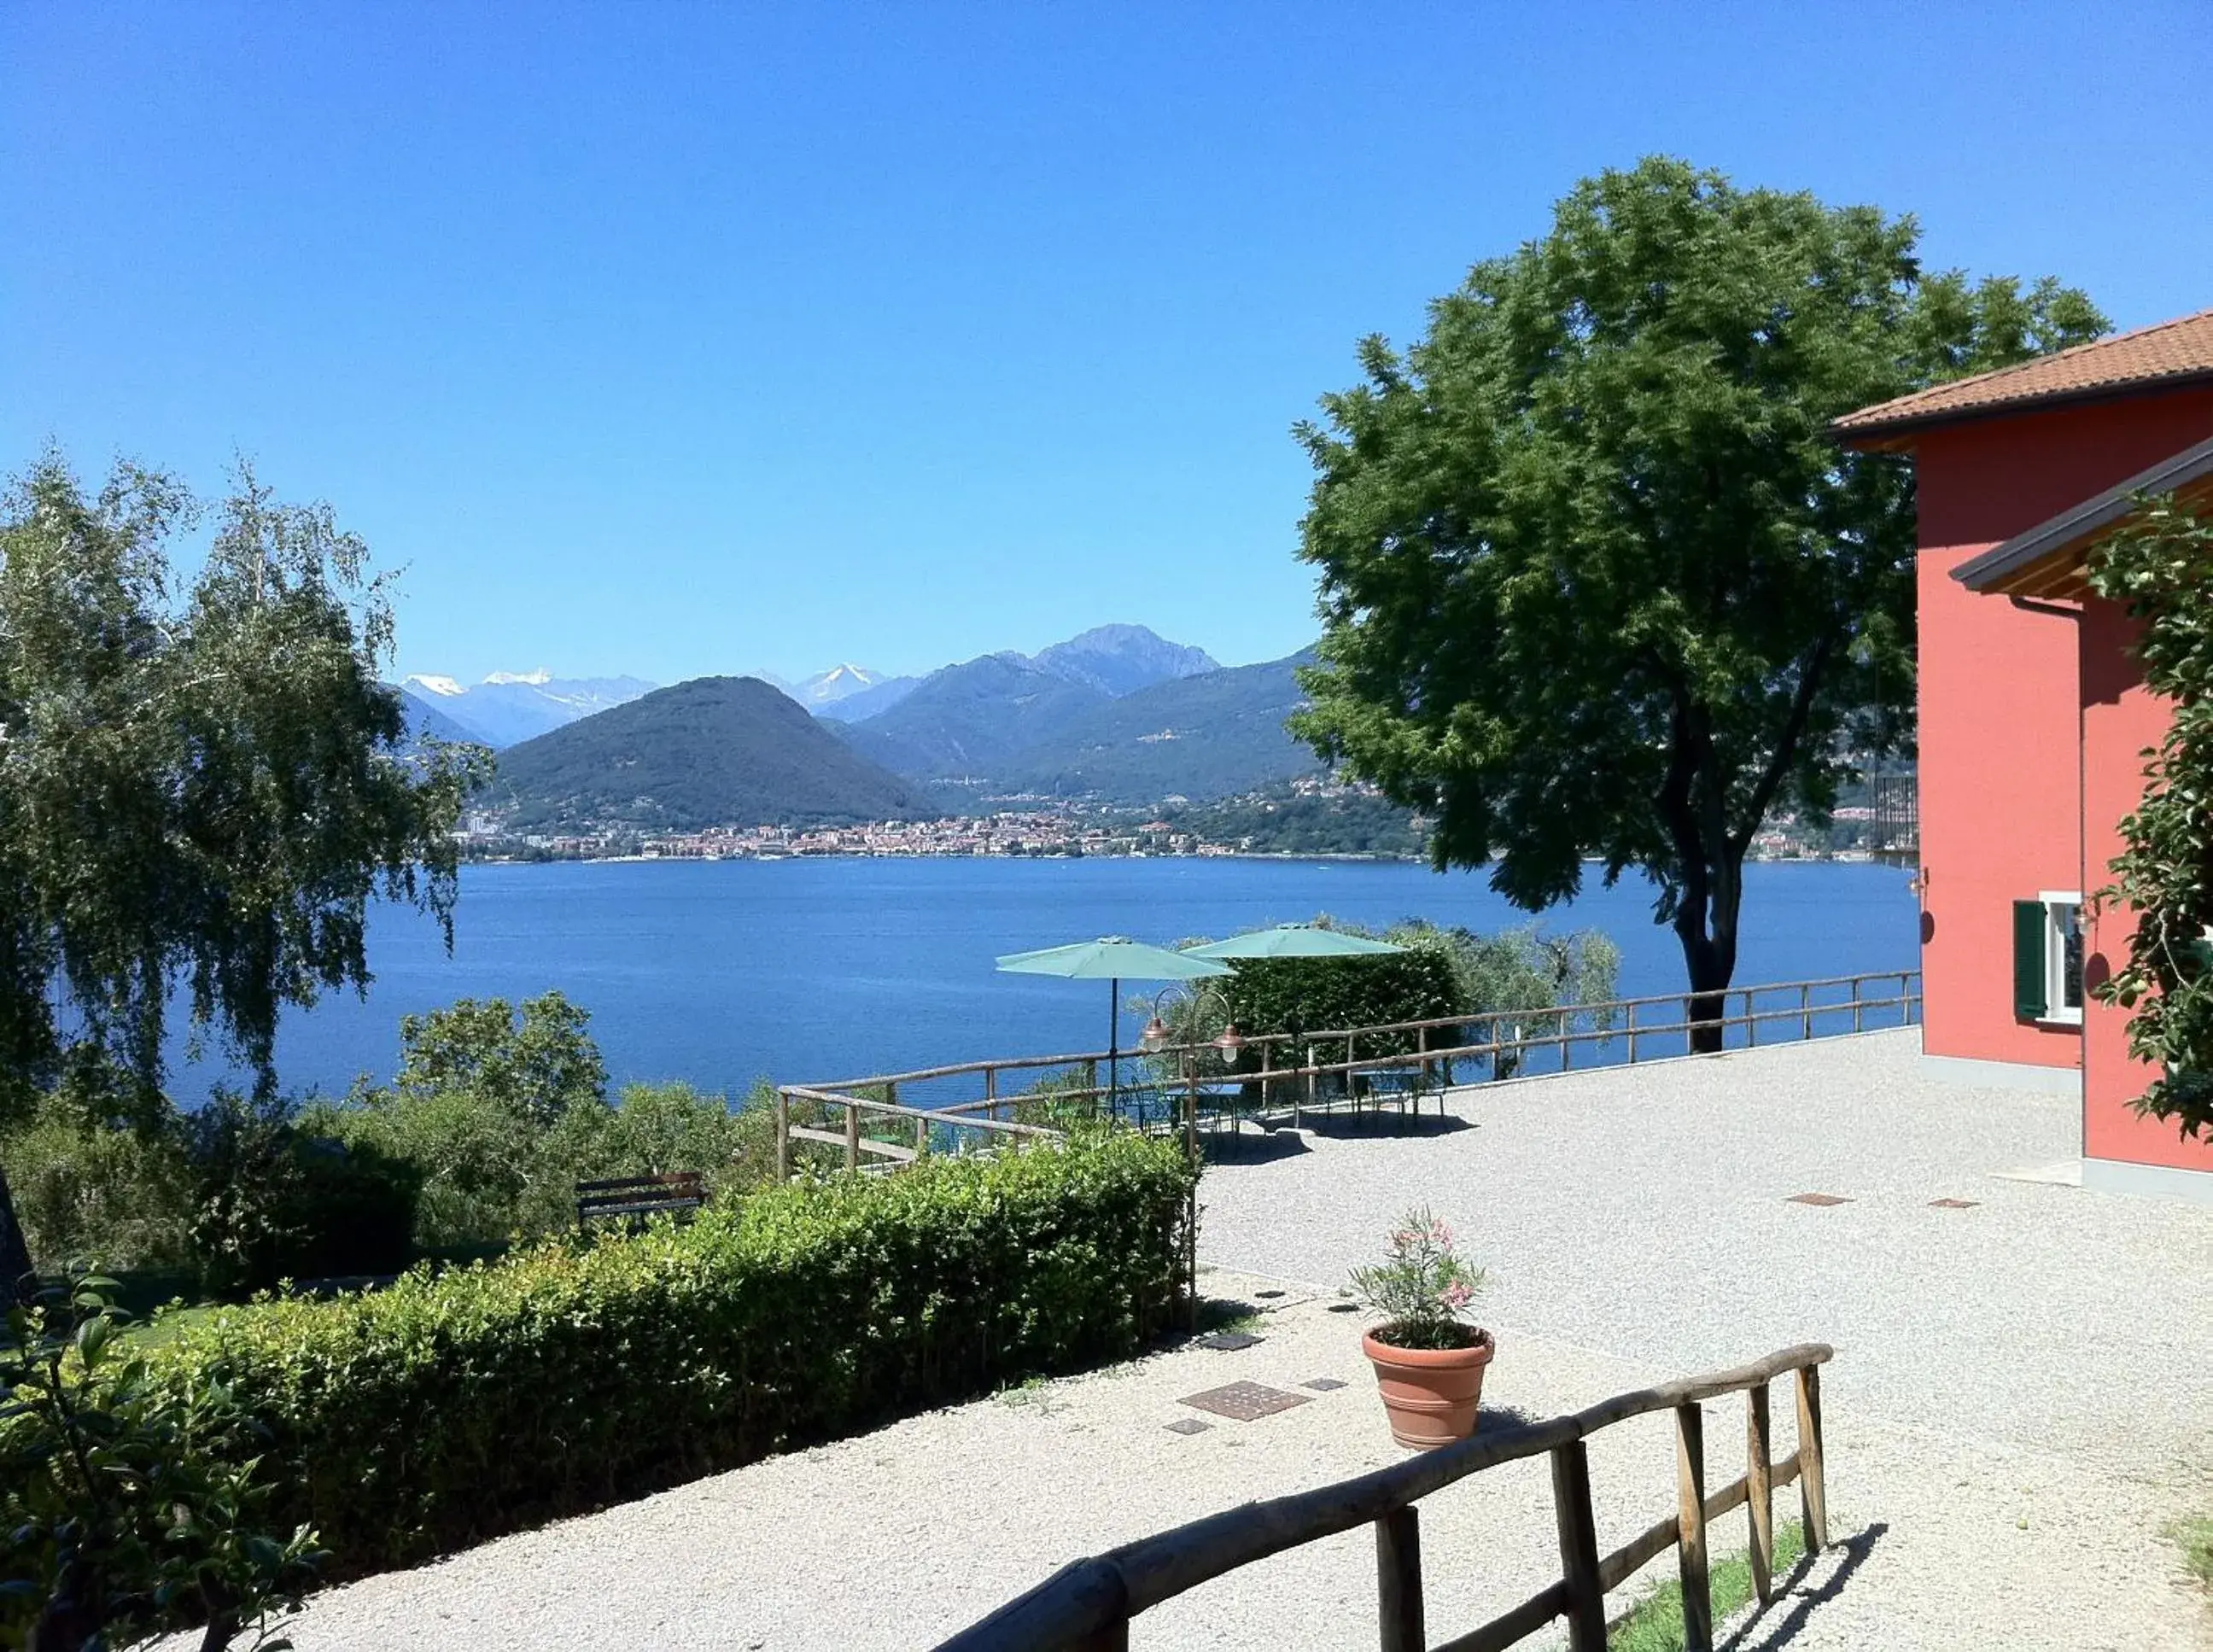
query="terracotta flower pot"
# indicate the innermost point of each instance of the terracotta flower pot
(1432, 1393)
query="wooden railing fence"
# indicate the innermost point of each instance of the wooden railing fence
(874, 1129)
(1086, 1605)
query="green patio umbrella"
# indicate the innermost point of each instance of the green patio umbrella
(1113, 958)
(1293, 941)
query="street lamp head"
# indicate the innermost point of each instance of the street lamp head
(1230, 1043)
(1155, 1037)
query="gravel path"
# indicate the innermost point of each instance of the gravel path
(2018, 1407)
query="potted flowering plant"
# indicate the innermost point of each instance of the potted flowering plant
(1428, 1360)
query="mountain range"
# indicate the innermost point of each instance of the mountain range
(1118, 714)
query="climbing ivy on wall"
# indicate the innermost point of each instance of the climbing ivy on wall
(2161, 569)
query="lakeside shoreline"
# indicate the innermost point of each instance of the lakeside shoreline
(1841, 858)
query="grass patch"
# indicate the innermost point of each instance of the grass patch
(1028, 1392)
(1227, 1313)
(1656, 1622)
(2195, 1538)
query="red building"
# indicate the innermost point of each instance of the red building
(2033, 713)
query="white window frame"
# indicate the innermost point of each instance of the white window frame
(2056, 1011)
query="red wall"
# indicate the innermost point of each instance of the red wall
(2002, 714)
(2120, 719)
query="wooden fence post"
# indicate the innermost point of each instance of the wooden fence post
(1632, 1034)
(1812, 1490)
(1759, 1491)
(1805, 1010)
(1296, 1120)
(784, 1136)
(1859, 1014)
(1751, 1026)
(1690, 1528)
(852, 1135)
(1399, 1581)
(1571, 1506)
(1421, 1048)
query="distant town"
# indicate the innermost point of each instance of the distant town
(1311, 816)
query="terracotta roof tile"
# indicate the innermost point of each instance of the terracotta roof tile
(2179, 349)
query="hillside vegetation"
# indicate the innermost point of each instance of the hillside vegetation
(717, 751)
(973, 719)
(1214, 735)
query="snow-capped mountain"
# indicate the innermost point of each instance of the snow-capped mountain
(844, 692)
(508, 707)
(840, 681)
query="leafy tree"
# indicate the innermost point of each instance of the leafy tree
(1597, 580)
(1527, 976)
(128, 1514)
(202, 783)
(2162, 568)
(538, 1065)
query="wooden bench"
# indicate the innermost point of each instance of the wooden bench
(635, 1199)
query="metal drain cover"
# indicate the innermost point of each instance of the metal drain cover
(1243, 1402)
(1229, 1341)
(1322, 1385)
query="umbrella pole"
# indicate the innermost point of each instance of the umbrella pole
(1115, 1049)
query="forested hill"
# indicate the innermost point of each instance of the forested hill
(717, 751)
(1215, 735)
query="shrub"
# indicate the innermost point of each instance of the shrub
(473, 1159)
(447, 1409)
(273, 1203)
(1313, 994)
(86, 1191)
(231, 1198)
(124, 1518)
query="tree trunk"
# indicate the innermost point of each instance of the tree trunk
(1707, 929)
(17, 1282)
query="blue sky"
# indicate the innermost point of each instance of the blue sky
(684, 338)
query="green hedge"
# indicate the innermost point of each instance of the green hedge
(446, 1410)
(1274, 995)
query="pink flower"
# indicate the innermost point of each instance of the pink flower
(1455, 1295)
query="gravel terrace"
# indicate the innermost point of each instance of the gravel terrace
(2019, 1405)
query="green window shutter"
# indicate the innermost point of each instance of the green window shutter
(2028, 971)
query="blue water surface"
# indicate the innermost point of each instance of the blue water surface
(723, 972)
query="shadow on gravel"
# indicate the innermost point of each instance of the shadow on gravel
(1251, 1146)
(1340, 1127)
(1766, 1632)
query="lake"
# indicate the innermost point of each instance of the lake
(721, 972)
